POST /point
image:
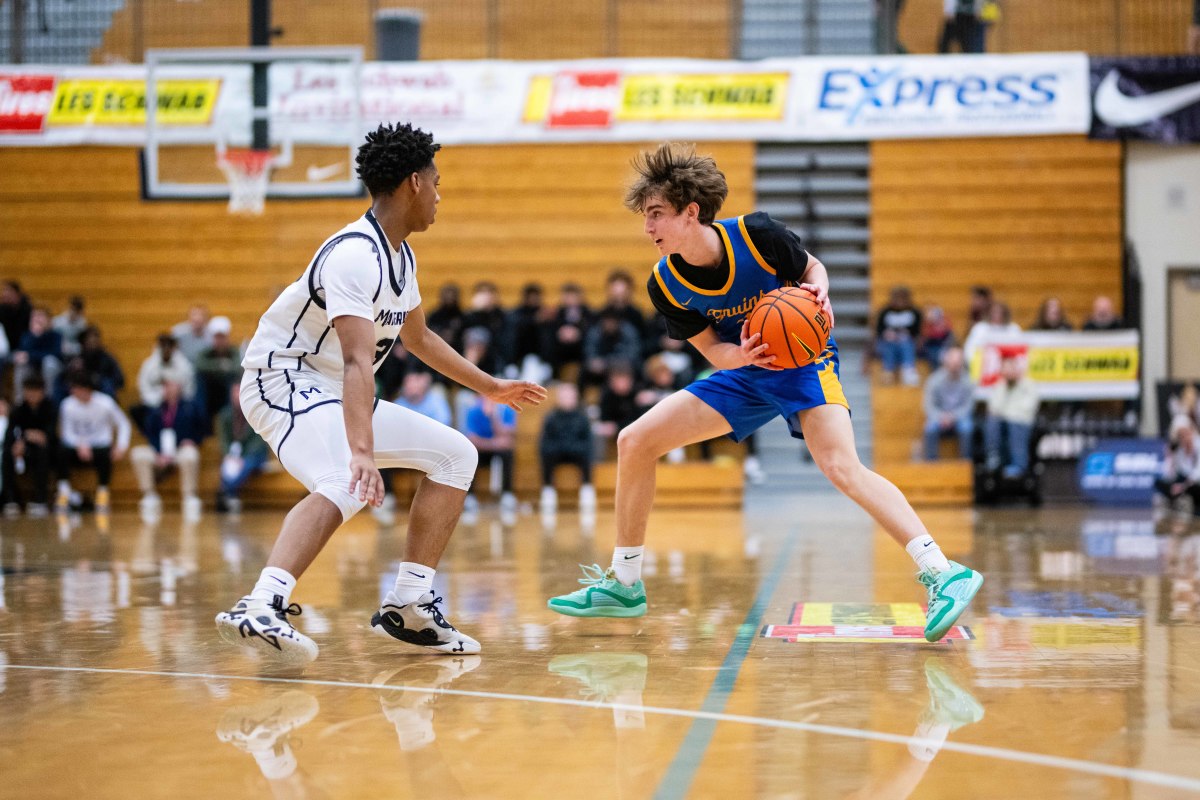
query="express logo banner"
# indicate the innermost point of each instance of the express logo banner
(912, 96)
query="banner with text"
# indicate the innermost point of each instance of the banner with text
(1065, 366)
(486, 102)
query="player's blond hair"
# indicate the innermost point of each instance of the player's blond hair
(677, 174)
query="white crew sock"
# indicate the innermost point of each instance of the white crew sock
(925, 551)
(627, 564)
(412, 581)
(274, 581)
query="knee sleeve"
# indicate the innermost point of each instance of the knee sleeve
(457, 462)
(335, 487)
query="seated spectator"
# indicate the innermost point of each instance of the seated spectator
(174, 430)
(70, 325)
(896, 330)
(15, 312)
(32, 442)
(38, 353)
(218, 368)
(417, 394)
(492, 429)
(1051, 316)
(1104, 316)
(390, 375)
(1011, 411)
(937, 336)
(447, 319)
(192, 336)
(93, 433)
(610, 339)
(949, 401)
(660, 384)
(999, 321)
(166, 363)
(566, 438)
(243, 452)
(979, 304)
(618, 297)
(571, 321)
(530, 335)
(1179, 484)
(618, 401)
(485, 312)
(96, 362)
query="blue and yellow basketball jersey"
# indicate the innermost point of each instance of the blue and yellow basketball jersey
(750, 396)
(750, 277)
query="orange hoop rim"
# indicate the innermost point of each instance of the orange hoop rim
(248, 160)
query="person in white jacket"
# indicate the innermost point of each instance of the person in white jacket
(166, 363)
(93, 433)
(1012, 410)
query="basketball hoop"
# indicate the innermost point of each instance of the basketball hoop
(248, 172)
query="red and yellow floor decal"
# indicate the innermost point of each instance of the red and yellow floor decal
(858, 622)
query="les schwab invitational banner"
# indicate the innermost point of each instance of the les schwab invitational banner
(480, 102)
(1065, 366)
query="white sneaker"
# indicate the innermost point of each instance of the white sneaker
(258, 625)
(910, 377)
(753, 470)
(587, 499)
(262, 730)
(548, 503)
(192, 508)
(421, 623)
(508, 502)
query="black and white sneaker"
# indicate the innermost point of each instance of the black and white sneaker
(421, 623)
(258, 625)
(263, 730)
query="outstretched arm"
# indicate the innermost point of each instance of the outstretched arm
(433, 350)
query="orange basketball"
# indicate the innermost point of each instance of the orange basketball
(793, 326)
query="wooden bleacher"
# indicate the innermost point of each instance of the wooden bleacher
(466, 29)
(1126, 27)
(1030, 217)
(72, 222)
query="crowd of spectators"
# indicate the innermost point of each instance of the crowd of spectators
(606, 362)
(905, 335)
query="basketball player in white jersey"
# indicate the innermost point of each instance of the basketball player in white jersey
(309, 391)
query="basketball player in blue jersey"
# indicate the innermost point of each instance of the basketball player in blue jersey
(711, 274)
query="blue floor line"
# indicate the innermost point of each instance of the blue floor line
(679, 776)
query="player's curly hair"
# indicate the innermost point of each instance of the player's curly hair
(391, 154)
(678, 175)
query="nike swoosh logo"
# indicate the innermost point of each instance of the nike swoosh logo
(629, 557)
(415, 574)
(1115, 108)
(316, 174)
(927, 544)
(281, 580)
(807, 349)
(687, 301)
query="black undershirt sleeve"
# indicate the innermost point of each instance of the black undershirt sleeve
(682, 323)
(781, 248)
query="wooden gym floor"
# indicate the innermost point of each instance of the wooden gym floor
(1078, 674)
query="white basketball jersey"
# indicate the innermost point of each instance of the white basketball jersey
(355, 272)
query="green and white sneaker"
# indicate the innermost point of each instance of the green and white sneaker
(950, 592)
(602, 595)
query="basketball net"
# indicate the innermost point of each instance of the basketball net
(248, 172)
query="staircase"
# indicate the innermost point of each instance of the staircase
(774, 28)
(55, 31)
(821, 192)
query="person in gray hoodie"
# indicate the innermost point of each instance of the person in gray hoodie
(948, 404)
